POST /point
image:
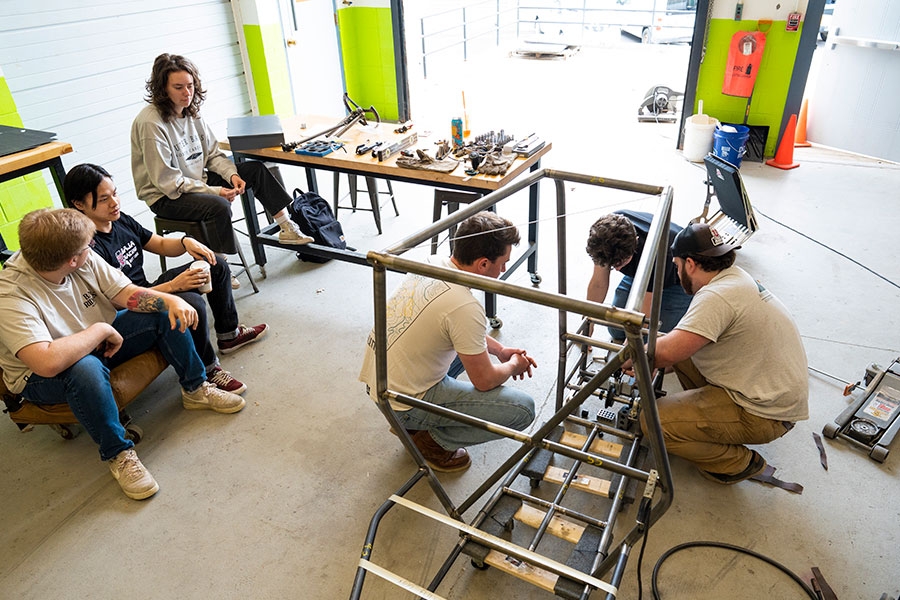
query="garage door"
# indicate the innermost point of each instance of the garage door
(853, 102)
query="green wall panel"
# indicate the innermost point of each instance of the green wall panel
(268, 67)
(23, 194)
(772, 80)
(367, 45)
(10, 233)
(7, 106)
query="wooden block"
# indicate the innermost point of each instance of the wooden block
(559, 526)
(601, 447)
(534, 575)
(593, 485)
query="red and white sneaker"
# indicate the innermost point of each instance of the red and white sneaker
(246, 335)
(223, 380)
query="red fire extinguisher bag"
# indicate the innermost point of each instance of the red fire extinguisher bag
(744, 57)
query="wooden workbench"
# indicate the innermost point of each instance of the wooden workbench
(366, 166)
(46, 156)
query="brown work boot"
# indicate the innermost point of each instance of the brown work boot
(757, 465)
(446, 461)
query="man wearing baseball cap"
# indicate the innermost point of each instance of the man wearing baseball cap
(738, 355)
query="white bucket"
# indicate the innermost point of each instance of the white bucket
(698, 137)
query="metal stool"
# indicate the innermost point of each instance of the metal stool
(197, 229)
(451, 199)
(371, 189)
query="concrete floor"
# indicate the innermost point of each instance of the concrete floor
(274, 502)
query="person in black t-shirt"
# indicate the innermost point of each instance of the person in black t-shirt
(121, 241)
(616, 241)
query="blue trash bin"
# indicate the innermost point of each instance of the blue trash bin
(731, 146)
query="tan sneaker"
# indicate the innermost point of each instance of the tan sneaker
(209, 397)
(135, 480)
(291, 234)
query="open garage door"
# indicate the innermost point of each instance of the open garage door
(853, 102)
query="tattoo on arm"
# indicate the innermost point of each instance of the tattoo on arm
(145, 302)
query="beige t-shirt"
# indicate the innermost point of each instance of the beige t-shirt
(429, 322)
(757, 355)
(33, 309)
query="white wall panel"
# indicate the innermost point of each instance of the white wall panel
(79, 69)
(853, 104)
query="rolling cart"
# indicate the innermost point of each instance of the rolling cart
(538, 518)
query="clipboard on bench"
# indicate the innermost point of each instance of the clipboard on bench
(734, 220)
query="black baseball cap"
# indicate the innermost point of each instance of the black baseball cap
(700, 239)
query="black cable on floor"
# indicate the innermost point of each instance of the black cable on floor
(854, 261)
(707, 544)
(640, 561)
(827, 247)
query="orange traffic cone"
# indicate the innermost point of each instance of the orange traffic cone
(800, 141)
(784, 158)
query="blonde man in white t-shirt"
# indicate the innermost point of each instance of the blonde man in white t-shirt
(738, 356)
(438, 329)
(64, 329)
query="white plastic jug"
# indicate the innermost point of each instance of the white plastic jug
(698, 136)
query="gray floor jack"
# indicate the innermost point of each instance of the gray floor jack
(659, 105)
(871, 422)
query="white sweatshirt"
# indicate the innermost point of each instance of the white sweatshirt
(171, 159)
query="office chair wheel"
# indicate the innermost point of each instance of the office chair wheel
(134, 433)
(66, 432)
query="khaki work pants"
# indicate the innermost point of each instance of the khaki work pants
(705, 426)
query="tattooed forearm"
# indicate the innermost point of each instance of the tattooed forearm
(145, 302)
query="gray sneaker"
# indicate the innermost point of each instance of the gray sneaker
(293, 235)
(209, 397)
(135, 480)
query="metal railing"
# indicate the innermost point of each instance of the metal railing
(461, 27)
(843, 40)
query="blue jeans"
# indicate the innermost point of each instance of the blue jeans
(675, 302)
(85, 385)
(221, 302)
(502, 405)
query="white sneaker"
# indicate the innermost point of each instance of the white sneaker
(291, 234)
(209, 397)
(235, 284)
(135, 480)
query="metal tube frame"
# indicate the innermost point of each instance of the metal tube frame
(630, 319)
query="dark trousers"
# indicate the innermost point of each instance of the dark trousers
(221, 302)
(215, 211)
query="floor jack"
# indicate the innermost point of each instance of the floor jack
(660, 104)
(872, 421)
